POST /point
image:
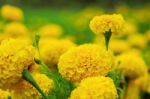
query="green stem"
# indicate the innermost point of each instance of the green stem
(9, 97)
(107, 38)
(28, 77)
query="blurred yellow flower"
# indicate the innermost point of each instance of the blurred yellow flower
(51, 30)
(16, 29)
(52, 49)
(85, 61)
(24, 90)
(131, 64)
(148, 87)
(104, 23)
(95, 88)
(137, 41)
(129, 29)
(4, 94)
(15, 56)
(119, 46)
(11, 13)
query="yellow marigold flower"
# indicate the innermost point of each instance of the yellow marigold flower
(132, 65)
(95, 88)
(104, 23)
(15, 29)
(24, 90)
(119, 46)
(51, 30)
(133, 91)
(4, 94)
(85, 61)
(129, 29)
(52, 49)
(11, 13)
(137, 41)
(15, 56)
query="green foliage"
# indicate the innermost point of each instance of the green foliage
(28, 77)
(146, 55)
(117, 76)
(61, 87)
(107, 38)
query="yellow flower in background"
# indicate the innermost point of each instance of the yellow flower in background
(95, 88)
(52, 49)
(16, 29)
(85, 61)
(104, 23)
(15, 56)
(4, 94)
(11, 13)
(137, 41)
(133, 92)
(51, 30)
(24, 90)
(119, 46)
(132, 65)
(129, 29)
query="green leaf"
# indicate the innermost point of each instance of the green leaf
(36, 40)
(107, 38)
(28, 77)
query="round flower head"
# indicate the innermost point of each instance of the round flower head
(132, 65)
(24, 90)
(119, 46)
(95, 88)
(51, 30)
(15, 56)
(11, 13)
(85, 61)
(104, 23)
(15, 29)
(52, 49)
(4, 94)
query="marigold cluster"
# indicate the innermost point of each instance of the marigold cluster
(95, 88)
(85, 61)
(15, 56)
(52, 49)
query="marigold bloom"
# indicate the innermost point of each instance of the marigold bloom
(52, 49)
(15, 29)
(24, 90)
(104, 23)
(11, 13)
(51, 30)
(85, 61)
(15, 56)
(132, 65)
(4, 94)
(95, 88)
